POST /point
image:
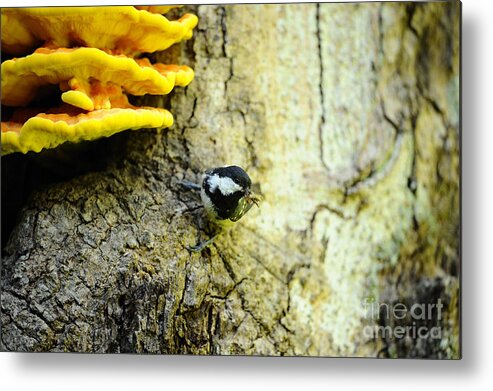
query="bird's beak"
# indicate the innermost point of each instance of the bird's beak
(252, 198)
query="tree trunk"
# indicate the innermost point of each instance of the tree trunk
(346, 116)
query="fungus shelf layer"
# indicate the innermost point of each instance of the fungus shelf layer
(123, 29)
(50, 130)
(86, 70)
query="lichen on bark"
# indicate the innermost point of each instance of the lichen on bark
(345, 116)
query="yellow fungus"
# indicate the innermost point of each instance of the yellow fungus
(87, 72)
(87, 55)
(50, 130)
(123, 29)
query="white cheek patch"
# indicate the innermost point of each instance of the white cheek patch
(226, 185)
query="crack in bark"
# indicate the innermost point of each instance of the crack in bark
(375, 175)
(321, 89)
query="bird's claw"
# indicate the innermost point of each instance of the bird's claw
(202, 245)
(189, 185)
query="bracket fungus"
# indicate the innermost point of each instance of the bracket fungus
(124, 29)
(90, 56)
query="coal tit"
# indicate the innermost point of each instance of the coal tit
(226, 194)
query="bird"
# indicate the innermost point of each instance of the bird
(226, 196)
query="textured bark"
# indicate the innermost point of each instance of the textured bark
(347, 118)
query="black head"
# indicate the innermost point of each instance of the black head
(237, 174)
(226, 197)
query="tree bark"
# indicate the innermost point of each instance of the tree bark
(346, 116)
